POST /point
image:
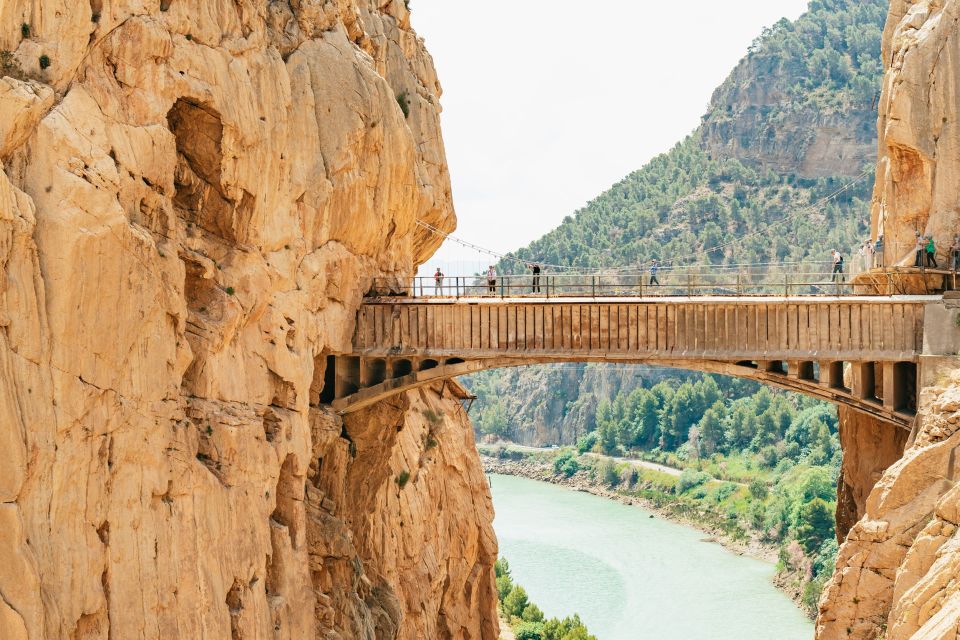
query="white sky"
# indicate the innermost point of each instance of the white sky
(547, 104)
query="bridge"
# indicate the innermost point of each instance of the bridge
(856, 350)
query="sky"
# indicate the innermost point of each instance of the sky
(547, 104)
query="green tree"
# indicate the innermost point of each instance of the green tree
(532, 613)
(815, 524)
(515, 602)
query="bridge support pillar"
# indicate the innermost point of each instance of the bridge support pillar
(831, 374)
(800, 370)
(346, 376)
(863, 383)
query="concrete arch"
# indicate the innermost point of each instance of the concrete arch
(822, 380)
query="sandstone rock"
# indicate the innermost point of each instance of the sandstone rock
(194, 198)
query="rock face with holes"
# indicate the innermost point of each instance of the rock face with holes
(897, 569)
(194, 197)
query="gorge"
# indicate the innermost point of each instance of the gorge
(197, 197)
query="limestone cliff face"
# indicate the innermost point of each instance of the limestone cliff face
(918, 173)
(194, 196)
(897, 570)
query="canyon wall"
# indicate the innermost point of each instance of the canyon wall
(897, 570)
(194, 197)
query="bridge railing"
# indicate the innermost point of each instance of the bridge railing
(797, 280)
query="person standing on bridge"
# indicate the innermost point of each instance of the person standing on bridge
(837, 267)
(918, 261)
(931, 253)
(654, 269)
(438, 281)
(492, 280)
(868, 257)
(878, 253)
(536, 277)
(955, 253)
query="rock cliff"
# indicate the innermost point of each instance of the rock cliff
(897, 570)
(194, 197)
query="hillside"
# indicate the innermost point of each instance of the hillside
(793, 124)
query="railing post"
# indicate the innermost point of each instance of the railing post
(457, 286)
(689, 285)
(786, 284)
(739, 284)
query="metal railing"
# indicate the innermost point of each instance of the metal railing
(788, 280)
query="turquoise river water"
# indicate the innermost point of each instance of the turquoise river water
(630, 576)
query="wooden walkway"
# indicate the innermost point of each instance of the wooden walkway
(858, 350)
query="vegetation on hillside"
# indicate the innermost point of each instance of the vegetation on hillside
(756, 463)
(526, 618)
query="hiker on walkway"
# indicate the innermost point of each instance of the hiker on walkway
(438, 281)
(837, 275)
(654, 269)
(931, 253)
(868, 257)
(955, 253)
(878, 253)
(491, 280)
(536, 277)
(918, 261)
(861, 265)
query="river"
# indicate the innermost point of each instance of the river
(630, 576)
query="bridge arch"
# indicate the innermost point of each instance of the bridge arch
(882, 390)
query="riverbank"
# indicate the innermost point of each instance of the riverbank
(539, 466)
(629, 575)
(584, 481)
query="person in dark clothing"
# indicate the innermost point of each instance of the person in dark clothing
(878, 253)
(955, 253)
(931, 253)
(918, 247)
(837, 267)
(654, 269)
(536, 277)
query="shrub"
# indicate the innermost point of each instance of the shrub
(690, 479)
(587, 442)
(25, 30)
(403, 478)
(230, 291)
(504, 587)
(516, 601)
(607, 473)
(404, 103)
(566, 464)
(759, 489)
(529, 631)
(10, 67)
(532, 613)
(44, 61)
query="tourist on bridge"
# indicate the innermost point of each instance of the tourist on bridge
(654, 269)
(868, 257)
(918, 261)
(931, 253)
(955, 253)
(438, 281)
(536, 277)
(878, 253)
(837, 267)
(492, 280)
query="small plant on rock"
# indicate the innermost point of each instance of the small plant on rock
(403, 478)
(25, 30)
(10, 67)
(404, 103)
(44, 61)
(230, 291)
